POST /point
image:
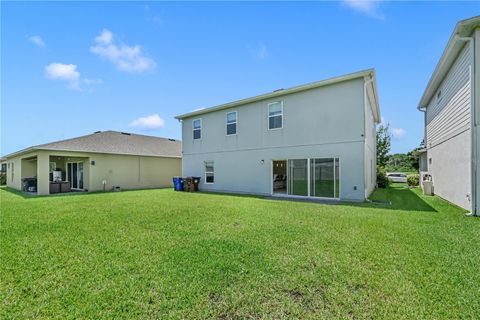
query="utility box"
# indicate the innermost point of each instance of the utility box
(428, 188)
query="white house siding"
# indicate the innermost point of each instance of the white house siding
(324, 122)
(448, 135)
(476, 123)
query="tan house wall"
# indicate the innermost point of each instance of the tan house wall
(14, 165)
(125, 171)
(133, 172)
(29, 168)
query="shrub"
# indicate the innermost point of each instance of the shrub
(413, 180)
(382, 180)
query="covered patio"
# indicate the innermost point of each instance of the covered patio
(43, 173)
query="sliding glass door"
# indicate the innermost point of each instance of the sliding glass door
(298, 177)
(324, 178)
(75, 174)
(314, 177)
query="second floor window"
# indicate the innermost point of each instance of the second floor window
(197, 129)
(231, 123)
(275, 115)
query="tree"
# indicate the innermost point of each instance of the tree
(383, 144)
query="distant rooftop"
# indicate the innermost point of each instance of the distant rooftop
(114, 142)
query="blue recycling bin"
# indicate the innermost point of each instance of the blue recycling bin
(178, 183)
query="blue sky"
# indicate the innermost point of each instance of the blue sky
(69, 69)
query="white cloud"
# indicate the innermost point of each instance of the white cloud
(398, 133)
(64, 72)
(125, 58)
(92, 81)
(368, 7)
(149, 122)
(38, 41)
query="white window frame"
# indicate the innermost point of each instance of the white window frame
(193, 129)
(212, 172)
(77, 178)
(236, 123)
(269, 116)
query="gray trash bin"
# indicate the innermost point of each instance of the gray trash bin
(428, 188)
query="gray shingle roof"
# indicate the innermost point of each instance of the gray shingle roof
(117, 143)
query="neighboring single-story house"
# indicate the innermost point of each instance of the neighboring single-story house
(99, 161)
(315, 140)
(452, 114)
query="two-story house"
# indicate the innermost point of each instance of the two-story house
(452, 115)
(314, 140)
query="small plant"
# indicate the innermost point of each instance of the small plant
(382, 179)
(413, 180)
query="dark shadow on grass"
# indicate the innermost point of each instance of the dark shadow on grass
(395, 197)
(398, 197)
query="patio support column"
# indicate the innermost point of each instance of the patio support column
(43, 177)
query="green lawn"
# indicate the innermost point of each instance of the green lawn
(164, 254)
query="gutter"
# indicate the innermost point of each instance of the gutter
(471, 40)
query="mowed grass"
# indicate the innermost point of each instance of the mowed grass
(164, 254)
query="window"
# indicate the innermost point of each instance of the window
(197, 129)
(231, 123)
(275, 115)
(13, 170)
(439, 96)
(209, 172)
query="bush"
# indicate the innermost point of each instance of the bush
(382, 180)
(413, 180)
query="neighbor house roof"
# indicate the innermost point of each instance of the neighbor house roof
(369, 73)
(114, 142)
(463, 28)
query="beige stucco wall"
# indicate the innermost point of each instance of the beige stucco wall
(29, 168)
(125, 171)
(14, 165)
(133, 172)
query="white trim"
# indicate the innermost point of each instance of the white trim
(78, 180)
(309, 196)
(226, 123)
(205, 171)
(309, 177)
(277, 115)
(193, 129)
(271, 175)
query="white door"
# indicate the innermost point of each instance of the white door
(75, 175)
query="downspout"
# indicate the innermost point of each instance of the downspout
(365, 97)
(424, 110)
(474, 129)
